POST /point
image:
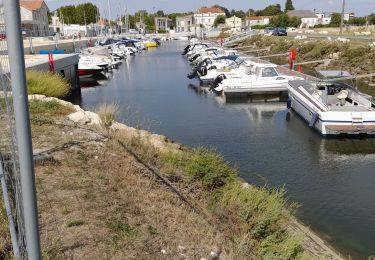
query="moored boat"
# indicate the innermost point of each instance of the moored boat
(332, 108)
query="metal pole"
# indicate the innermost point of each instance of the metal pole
(22, 123)
(342, 16)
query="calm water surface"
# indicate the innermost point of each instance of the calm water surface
(332, 179)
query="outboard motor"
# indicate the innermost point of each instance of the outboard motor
(194, 57)
(217, 81)
(186, 50)
(204, 62)
(193, 74)
(203, 71)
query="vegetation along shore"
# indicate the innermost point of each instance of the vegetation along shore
(109, 190)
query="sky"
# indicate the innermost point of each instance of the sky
(359, 7)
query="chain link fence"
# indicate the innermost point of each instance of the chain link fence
(9, 161)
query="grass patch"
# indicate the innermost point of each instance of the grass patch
(46, 83)
(122, 229)
(75, 223)
(108, 113)
(50, 108)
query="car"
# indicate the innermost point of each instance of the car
(280, 32)
(269, 30)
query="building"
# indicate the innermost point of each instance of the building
(206, 16)
(184, 23)
(163, 24)
(34, 18)
(233, 22)
(324, 18)
(308, 18)
(140, 27)
(256, 20)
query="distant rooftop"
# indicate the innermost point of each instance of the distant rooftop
(32, 5)
(302, 13)
(212, 10)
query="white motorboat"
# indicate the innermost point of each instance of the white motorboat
(86, 69)
(225, 65)
(255, 78)
(332, 108)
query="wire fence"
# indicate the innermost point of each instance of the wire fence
(9, 162)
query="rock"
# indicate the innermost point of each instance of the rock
(214, 254)
(85, 118)
(163, 251)
(245, 185)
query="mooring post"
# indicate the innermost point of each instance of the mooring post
(22, 123)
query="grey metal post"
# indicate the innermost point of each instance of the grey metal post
(22, 122)
(342, 16)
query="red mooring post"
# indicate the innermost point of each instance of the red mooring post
(51, 63)
(292, 57)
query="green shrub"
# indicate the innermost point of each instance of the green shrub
(210, 168)
(46, 83)
(263, 215)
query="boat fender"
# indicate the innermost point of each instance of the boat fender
(289, 103)
(313, 119)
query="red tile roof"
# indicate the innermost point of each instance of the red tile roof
(32, 5)
(212, 10)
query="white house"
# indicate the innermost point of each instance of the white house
(256, 20)
(184, 23)
(324, 18)
(34, 17)
(206, 16)
(308, 18)
(233, 22)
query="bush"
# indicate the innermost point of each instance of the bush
(46, 83)
(210, 168)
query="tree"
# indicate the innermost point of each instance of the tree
(160, 13)
(78, 14)
(288, 6)
(335, 20)
(240, 14)
(226, 11)
(283, 20)
(359, 21)
(270, 10)
(219, 20)
(371, 19)
(250, 12)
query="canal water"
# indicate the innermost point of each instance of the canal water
(332, 179)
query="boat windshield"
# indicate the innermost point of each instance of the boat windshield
(239, 61)
(269, 72)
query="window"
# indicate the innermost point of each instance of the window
(269, 72)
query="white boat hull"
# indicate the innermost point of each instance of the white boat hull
(333, 123)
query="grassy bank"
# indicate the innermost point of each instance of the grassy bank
(353, 58)
(103, 192)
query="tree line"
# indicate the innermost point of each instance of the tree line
(89, 13)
